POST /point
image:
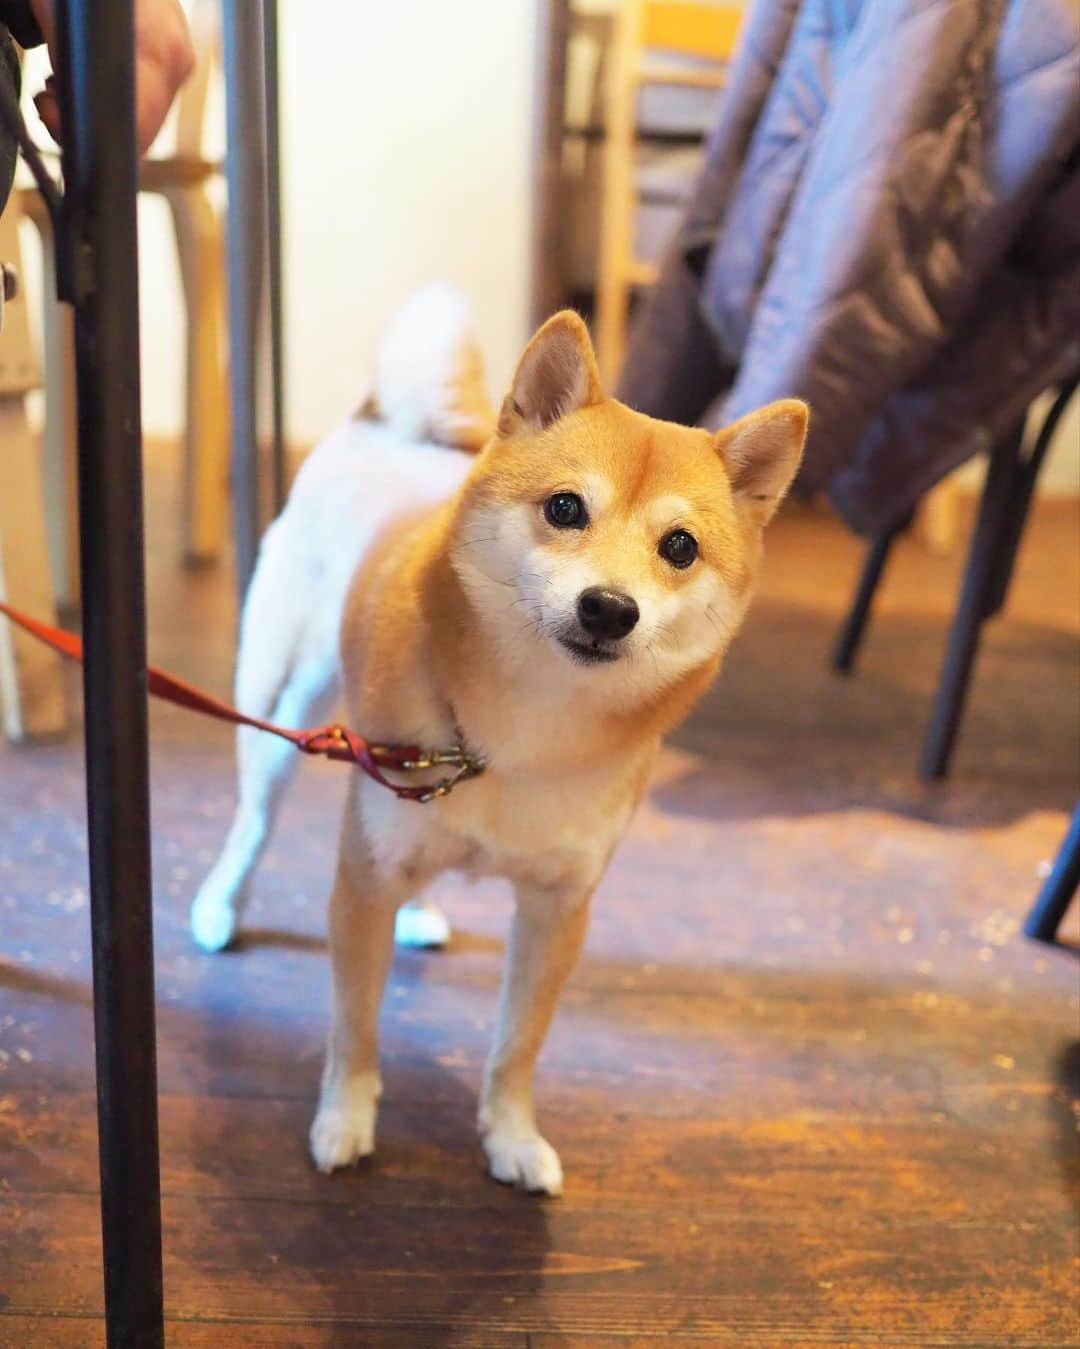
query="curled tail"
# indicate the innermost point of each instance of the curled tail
(429, 373)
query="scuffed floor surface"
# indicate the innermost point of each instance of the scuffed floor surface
(809, 1084)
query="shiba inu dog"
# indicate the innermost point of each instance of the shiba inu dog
(552, 586)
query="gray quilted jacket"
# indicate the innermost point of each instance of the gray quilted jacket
(887, 225)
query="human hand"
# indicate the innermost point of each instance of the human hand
(164, 58)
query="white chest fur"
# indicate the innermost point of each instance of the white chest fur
(550, 828)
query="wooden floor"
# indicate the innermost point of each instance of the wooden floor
(809, 1085)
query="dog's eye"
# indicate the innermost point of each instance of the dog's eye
(679, 548)
(566, 510)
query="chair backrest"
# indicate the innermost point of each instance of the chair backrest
(702, 30)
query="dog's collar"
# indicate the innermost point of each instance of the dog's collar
(474, 763)
(465, 761)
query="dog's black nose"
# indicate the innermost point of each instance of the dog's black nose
(606, 613)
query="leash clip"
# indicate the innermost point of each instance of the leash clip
(457, 757)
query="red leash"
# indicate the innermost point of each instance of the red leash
(335, 742)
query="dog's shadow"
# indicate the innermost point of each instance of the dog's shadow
(491, 1251)
(436, 1240)
(431, 1239)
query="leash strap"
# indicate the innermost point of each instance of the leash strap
(332, 741)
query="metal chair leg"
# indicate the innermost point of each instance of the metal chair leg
(1003, 512)
(1049, 909)
(273, 242)
(96, 80)
(851, 634)
(1006, 561)
(981, 581)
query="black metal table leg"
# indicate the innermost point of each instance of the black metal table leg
(851, 634)
(245, 162)
(96, 78)
(1050, 908)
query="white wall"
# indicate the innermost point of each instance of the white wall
(407, 152)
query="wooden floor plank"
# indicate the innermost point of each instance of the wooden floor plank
(540, 1267)
(79, 1332)
(908, 1171)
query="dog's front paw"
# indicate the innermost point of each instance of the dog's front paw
(340, 1137)
(525, 1160)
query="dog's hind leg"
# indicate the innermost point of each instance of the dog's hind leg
(266, 767)
(421, 924)
(287, 672)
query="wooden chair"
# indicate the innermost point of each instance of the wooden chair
(679, 44)
(1050, 907)
(183, 178)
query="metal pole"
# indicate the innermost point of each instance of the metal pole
(96, 77)
(245, 163)
(273, 224)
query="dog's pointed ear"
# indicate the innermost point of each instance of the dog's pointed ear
(556, 375)
(761, 452)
